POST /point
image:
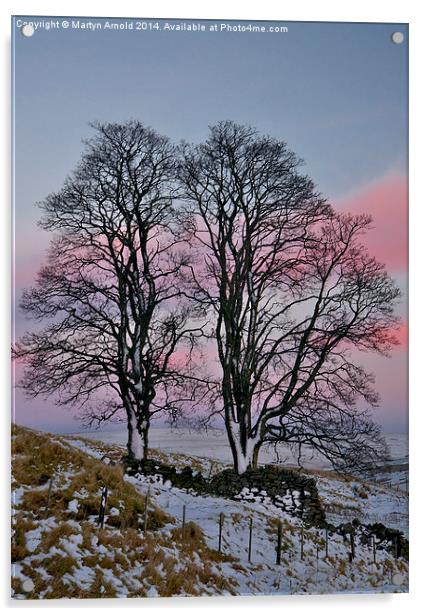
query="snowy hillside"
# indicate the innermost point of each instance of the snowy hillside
(214, 444)
(59, 550)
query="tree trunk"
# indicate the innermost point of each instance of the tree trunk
(137, 440)
(243, 447)
(256, 454)
(144, 428)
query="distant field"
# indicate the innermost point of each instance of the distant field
(214, 444)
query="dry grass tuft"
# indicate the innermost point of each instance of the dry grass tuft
(57, 565)
(37, 458)
(52, 538)
(18, 545)
(120, 548)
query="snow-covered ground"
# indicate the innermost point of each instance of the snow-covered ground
(387, 500)
(312, 574)
(214, 444)
(304, 570)
(366, 501)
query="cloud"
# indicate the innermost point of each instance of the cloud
(387, 202)
(402, 335)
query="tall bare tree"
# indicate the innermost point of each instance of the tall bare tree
(116, 334)
(294, 296)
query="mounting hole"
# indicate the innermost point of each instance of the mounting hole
(27, 30)
(397, 579)
(28, 585)
(397, 38)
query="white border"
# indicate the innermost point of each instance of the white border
(405, 11)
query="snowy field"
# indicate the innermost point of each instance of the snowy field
(342, 503)
(387, 500)
(214, 444)
(64, 553)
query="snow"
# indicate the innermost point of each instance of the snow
(17, 495)
(342, 503)
(33, 538)
(214, 444)
(86, 448)
(70, 545)
(205, 510)
(73, 506)
(343, 500)
(386, 504)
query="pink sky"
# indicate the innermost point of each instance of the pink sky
(387, 201)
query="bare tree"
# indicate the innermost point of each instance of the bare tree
(117, 335)
(294, 296)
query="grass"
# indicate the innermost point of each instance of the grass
(18, 544)
(37, 458)
(53, 537)
(58, 545)
(115, 561)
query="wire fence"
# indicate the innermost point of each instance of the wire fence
(229, 535)
(253, 536)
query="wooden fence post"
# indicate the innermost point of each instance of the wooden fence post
(352, 553)
(318, 549)
(102, 507)
(397, 547)
(279, 542)
(49, 494)
(326, 542)
(250, 539)
(183, 521)
(219, 549)
(145, 513)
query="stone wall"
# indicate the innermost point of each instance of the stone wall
(288, 490)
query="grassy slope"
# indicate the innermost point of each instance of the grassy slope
(62, 551)
(64, 554)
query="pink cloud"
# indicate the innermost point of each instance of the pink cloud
(387, 202)
(402, 335)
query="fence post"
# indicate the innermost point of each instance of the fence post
(250, 539)
(219, 549)
(183, 521)
(374, 549)
(318, 549)
(326, 542)
(145, 513)
(396, 547)
(302, 542)
(49, 494)
(352, 554)
(279, 542)
(102, 507)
